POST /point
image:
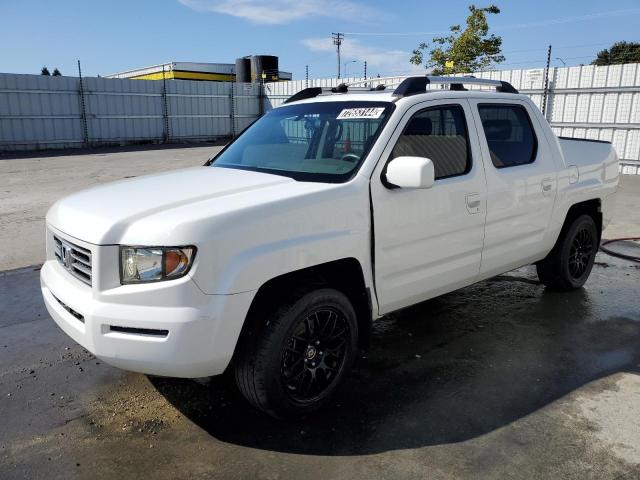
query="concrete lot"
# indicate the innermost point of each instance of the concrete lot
(499, 380)
(30, 185)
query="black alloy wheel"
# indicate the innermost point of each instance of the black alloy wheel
(582, 249)
(569, 263)
(315, 354)
(293, 364)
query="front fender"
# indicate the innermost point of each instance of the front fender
(247, 248)
(251, 268)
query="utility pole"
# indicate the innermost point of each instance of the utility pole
(83, 109)
(337, 41)
(165, 107)
(261, 93)
(546, 83)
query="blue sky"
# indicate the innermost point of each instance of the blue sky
(115, 35)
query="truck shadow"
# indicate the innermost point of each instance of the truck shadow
(447, 370)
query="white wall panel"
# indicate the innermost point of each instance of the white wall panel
(38, 112)
(583, 102)
(45, 112)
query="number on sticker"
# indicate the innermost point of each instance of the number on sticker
(368, 112)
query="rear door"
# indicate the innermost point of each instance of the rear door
(521, 184)
(429, 241)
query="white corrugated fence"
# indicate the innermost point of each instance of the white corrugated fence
(39, 112)
(601, 103)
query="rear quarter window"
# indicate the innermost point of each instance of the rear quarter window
(509, 133)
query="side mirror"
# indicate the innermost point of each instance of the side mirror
(410, 172)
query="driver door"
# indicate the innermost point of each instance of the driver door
(429, 241)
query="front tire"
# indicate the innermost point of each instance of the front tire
(301, 355)
(568, 265)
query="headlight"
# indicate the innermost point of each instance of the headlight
(154, 264)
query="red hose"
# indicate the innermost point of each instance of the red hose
(631, 258)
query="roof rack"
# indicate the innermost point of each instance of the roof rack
(312, 92)
(409, 86)
(415, 85)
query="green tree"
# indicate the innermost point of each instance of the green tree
(464, 51)
(45, 71)
(56, 72)
(619, 52)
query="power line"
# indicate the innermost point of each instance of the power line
(576, 18)
(615, 56)
(588, 45)
(392, 34)
(549, 21)
(523, 63)
(560, 46)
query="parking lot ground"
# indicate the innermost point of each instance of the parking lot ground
(502, 379)
(30, 185)
(498, 380)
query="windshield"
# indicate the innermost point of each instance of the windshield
(321, 142)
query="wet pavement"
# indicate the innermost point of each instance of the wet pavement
(499, 380)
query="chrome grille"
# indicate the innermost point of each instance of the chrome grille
(75, 259)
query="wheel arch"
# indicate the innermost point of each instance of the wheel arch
(592, 207)
(345, 275)
(553, 270)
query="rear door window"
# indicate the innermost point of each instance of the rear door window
(509, 133)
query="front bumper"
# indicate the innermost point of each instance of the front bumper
(168, 328)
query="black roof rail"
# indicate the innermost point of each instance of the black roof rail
(411, 86)
(506, 87)
(304, 94)
(312, 92)
(415, 85)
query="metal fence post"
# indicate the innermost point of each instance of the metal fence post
(261, 96)
(83, 109)
(546, 84)
(165, 108)
(232, 106)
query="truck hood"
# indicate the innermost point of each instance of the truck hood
(104, 214)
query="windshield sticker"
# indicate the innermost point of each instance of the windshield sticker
(369, 112)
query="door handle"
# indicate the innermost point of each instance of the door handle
(473, 202)
(547, 184)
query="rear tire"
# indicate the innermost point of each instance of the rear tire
(300, 356)
(568, 265)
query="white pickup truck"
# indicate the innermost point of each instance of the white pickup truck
(336, 208)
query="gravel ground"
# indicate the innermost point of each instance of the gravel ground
(498, 380)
